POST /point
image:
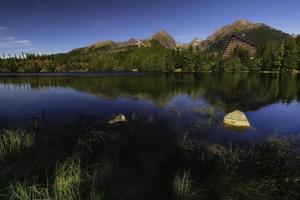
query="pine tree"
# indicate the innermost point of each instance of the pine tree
(267, 60)
(290, 54)
(278, 56)
(243, 54)
(298, 51)
(169, 62)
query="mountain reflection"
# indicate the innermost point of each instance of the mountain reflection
(248, 91)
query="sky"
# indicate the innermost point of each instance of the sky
(55, 26)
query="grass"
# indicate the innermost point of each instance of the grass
(101, 165)
(230, 158)
(14, 142)
(87, 142)
(68, 179)
(95, 194)
(186, 144)
(183, 187)
(254, 189)
(69, 182)
(22, 191)
(150, 120)
(269, 169)
(210, 112)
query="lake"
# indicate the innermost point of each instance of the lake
(195, 102)
(55, 139)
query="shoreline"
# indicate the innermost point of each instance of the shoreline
(131, 73)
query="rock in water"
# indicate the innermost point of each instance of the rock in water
(216, 149)
(118, 119)
(236, 119)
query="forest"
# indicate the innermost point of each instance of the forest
(276, 56)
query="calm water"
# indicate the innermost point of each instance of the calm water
(178, 101)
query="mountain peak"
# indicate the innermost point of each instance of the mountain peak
(102, 44)
(259, 33)
(195, 42)
(237, 26)
(165, 39)
(242, 22)
(162, 33)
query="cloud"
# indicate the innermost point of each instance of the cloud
(9, 38)
(13, 43)
(2, 28)
(10, 42)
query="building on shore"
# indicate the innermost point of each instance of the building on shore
(239, 41)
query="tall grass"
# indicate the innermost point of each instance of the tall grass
(186, 144)
(265, 170)
(70, 182)
(183, 187)
(254, 189)
(93, 182)
(210, 112)
(14, 142)
(68, 179)
(230, 158)
(21, 191)
(93, 138)
(66, 184)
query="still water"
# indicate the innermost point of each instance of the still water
(183, 102)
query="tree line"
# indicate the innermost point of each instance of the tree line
(276, 56)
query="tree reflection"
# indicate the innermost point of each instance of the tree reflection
(248, 91)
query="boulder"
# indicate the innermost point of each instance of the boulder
(236, 119)
(117, 119)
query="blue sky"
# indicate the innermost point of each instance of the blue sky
(53, 26)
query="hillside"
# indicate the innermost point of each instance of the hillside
(259, 33)
(161, 38)
(164, 39)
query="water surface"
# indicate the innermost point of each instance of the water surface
(180, 102)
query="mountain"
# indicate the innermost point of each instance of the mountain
(197, 42)
(162, 38)
(259, 33)
(111, 46)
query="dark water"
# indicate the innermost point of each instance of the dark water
(270, 101)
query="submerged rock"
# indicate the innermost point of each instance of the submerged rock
(236, 119)
(118, 119)
(216, 149)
